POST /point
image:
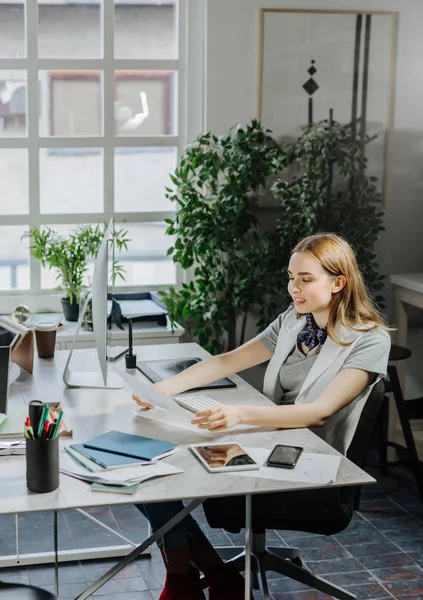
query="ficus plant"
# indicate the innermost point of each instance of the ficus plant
(238, 267)
(330, 191)
(216, 233)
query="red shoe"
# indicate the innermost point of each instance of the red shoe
(185, 586)
(225, 583)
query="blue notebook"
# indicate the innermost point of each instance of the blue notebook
(127, 444)
(106, 459)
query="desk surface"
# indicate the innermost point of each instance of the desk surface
(91, 412)
(409, 281)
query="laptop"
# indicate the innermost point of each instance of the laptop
(8, 338)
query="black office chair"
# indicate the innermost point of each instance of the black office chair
(19, 591)
(325, 511)
(407, 411)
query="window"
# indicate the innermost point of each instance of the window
(92, 105)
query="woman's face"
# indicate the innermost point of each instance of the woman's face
(310, 285)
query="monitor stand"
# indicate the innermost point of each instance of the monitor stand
(87, 379)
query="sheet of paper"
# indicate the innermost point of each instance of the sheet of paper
(149, 394)
(310, 468)
(124, 475)
(140, 308)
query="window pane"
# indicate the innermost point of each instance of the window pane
(69, 30)
(13, 105)
(12, 30)
(71, 180)
(49, 276)
(146, 261)
(141, 175)
(14, 259)
(146, 30)
(71, 103)
(145, 103)
(14, 181)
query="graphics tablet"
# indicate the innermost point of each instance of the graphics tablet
(221, 458)
(157, 370)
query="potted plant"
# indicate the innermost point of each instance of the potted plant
(238, 267)
(69, 255)
(324, 186)
(216, 231)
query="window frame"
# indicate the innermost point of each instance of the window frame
(187, 21)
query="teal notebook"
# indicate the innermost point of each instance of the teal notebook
(127, 444)
(105, 459)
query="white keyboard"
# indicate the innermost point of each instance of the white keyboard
(195, 403)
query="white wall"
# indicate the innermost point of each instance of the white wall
(232, 58)
(232, 84)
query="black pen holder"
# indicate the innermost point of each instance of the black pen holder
(42, 465)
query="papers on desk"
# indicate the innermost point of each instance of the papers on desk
(310, 468)
(126, 476)
(140, 308)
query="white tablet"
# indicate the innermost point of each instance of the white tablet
(220, 457)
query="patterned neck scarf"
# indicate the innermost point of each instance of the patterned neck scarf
(311, 335)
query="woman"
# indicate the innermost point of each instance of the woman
(326, 352)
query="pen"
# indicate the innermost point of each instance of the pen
(44, 433)
(50, 431)
(56, 429)
(42, 421)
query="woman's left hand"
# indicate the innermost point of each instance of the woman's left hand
(219, 417)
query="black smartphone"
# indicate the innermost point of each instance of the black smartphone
(284, 456)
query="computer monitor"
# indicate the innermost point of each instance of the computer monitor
(98, 296)
(8, 338)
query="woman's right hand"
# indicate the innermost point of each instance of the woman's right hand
(145, 405)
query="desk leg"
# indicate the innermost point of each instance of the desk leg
(248, 542)
(56, 555)
(126, 560)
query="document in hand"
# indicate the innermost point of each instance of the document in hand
(127, 444)
(149, 394)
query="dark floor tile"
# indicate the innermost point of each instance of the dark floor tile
(414, 534)
(385, 513)
(306, 595)
(145, 595)
(347, 579)
(361, 537)
(325, 553)
(385, 561)
(368, 591)
(93, 570)
(285, 584)
(316, 541)
(404, 588)
(375, 504)
(337, 565)
(398, 573)
(121, 586)
(14, 575)
(396, 523)
(359, 550)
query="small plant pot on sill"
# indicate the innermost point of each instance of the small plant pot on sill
(70, 311)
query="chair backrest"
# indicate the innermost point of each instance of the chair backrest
(357, 450)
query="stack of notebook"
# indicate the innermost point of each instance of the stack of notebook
(110, 460)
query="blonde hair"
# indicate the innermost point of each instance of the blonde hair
(352, 307)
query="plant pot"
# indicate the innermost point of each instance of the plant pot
(70, 311)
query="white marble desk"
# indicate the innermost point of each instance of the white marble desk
(408, 289)
(91, 412)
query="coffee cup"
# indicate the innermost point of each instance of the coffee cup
(45, 336)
